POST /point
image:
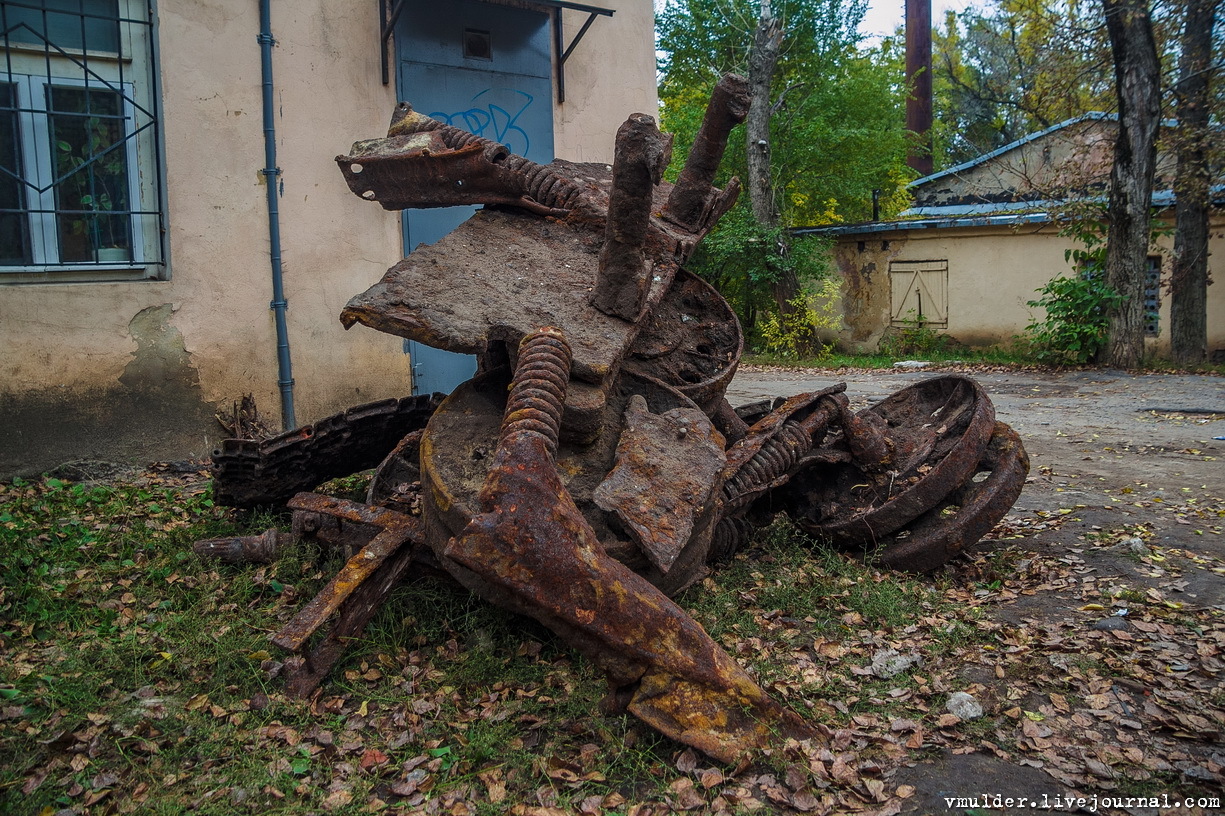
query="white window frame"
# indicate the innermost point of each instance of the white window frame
(33, 68)
(38, 164)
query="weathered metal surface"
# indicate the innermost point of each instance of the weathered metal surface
(536, 552)
(963, 516)
(622, 281)
(397, 530)
(248, 473)
(258, 549)
(938, 430)
(593, 467)
(693, 202)
(691, 341)
(397, 480)
(666, 473)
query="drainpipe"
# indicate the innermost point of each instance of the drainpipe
(272, 175)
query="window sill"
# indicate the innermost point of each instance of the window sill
(84, 273)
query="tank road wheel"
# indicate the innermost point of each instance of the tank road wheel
(900, 458)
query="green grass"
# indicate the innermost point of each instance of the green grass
(1014, 356)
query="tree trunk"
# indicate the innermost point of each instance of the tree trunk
(763, 58)
(1137, 83)
(1189, 280)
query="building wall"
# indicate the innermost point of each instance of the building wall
(135, 371)
(610, 75)
(992, 273)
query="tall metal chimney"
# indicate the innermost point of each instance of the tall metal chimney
(919, 81)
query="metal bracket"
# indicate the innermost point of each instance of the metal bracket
(563, 54)
(389, 14)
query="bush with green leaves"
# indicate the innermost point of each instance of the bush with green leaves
(1074, 326)
(743, 259)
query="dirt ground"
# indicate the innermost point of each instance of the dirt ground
(1125, 497)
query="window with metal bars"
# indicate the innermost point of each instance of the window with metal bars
(80, 170)
(1152, 296)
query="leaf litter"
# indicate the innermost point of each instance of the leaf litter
(136, 678)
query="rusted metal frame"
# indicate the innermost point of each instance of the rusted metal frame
(305, 674)
(537, 551)
(426, 163)
(398, 529)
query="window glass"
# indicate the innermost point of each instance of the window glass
(14, 226)
(91, 172)
(79, 25)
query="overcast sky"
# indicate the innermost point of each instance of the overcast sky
(885, 15)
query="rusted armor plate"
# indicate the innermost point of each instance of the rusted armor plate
(495, 278)
(665, 477)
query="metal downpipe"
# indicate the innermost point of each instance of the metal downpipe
(272, 175)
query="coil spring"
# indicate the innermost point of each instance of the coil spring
(774, 459)
(730, 535)
(543, 184)
(538, 390)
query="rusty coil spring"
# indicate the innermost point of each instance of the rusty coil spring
(730, 535)
(541, 182)
(544, 185)
(776, 456)
(538, 390)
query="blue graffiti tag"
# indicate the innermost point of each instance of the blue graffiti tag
(493, 121)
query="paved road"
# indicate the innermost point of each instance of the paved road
(1116, 427)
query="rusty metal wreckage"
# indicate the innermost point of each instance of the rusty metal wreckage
(592, 468)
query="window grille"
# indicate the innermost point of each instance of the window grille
(80, 164)
(1152, 296)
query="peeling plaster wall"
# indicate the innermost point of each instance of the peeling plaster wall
(135, 371)
(610, 75)
(992, 273)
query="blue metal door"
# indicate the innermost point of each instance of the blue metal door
(485, 68)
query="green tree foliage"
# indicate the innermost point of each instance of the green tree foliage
(1013, 67)
(836, 130)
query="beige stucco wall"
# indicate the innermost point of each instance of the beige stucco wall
(610, 75)
(135, 370)
(992, 273)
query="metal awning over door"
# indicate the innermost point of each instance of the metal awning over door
(389, 12)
